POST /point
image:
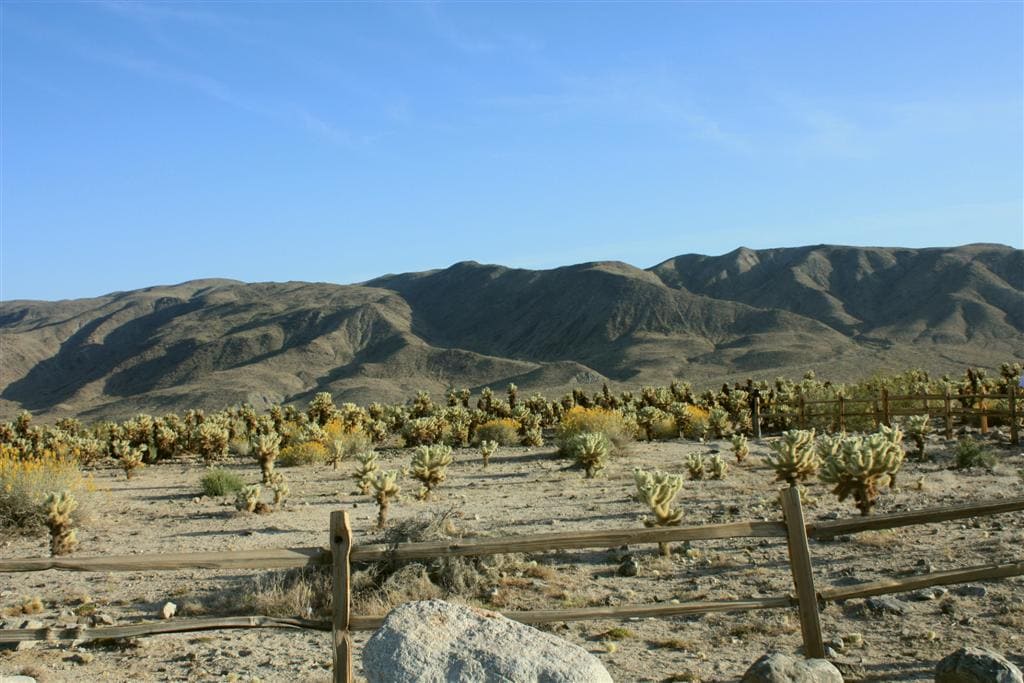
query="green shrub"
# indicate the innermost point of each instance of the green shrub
(220, 482)
(969, 453)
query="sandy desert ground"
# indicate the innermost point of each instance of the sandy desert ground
(527, 491)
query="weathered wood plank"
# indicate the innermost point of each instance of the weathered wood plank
(156, 628)
(803, 576)
(371, 622)
(271, 558)
(853, 525)
(341, 596)
(566, 540)
(944, 578)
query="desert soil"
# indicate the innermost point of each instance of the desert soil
(530, 491)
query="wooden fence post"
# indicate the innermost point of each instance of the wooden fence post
(842, 413)
(755, 413)
(802, 423)
(886, 417)
(1014, 430)
(949, 416)
(341, 638)
(803, 578)
(983, 417)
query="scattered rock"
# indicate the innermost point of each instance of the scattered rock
(168, 610)
(434, 641)
(971, 591)
(629, 566)
(776, 667)
(19, 679)
(102, 619)
(82, 658)
(977, 665)
(926, 594)
(882, 605)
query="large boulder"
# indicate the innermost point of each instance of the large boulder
(977, 665)
(776, 667)
(435, 641)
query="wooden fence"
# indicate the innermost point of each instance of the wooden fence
(882, 408)
(341, 553)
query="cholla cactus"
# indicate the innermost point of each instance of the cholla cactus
(212, 439)
(386, 490)
(794, 459)
(862, 467)
(59, 507)
(130, 456)
(829, 445)
(659, 490)
(487, 449)
(718, 422)
(740, 447)
(695, 466)
(366, 472)
(591, 450)
(265, 448)
(430, 465)
(279, 485)
(716, 467)
(248, 498)
(919, 426)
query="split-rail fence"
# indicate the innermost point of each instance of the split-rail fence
(341, 553)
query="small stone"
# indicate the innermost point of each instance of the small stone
(102, 619)
(926, 594)
(629, 566)
(168, 610)
(977, 665)
(883, 605)
(971, 591)
(82, 658)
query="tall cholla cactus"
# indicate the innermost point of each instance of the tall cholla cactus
(386, 489)
(591, 450)
(862, 467)
(366, 471)
(211, 440)
(129, 456)
(794, 459)
(59, 507)
(716, 467)
(430, 465)
(487, 449)
(718, 421)
(279, 485)
(265, 448)
(740, 447)
(919, 427)
(659, 490)
(695, 465)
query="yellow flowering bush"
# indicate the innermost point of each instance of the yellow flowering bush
(579, 420)
(303, 453)
(26, 481)
(503, 430)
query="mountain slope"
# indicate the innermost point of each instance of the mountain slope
(843, 311)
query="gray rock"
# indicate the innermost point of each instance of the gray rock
(433, 641)
(885, 606)
(971, 591)
(977, 665)
(776, 667)
(925, 594)
(18, 679)
(629, 567)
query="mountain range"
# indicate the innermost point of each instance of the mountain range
(845, 312)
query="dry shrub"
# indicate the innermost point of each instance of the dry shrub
(581, 420)
(696, 422)
(25, 482)
(304, 593)
(504, 430)
(303, 453)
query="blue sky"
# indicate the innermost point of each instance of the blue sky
(155, 143)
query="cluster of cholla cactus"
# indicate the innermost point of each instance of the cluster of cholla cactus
(366, 470)
(265, 448)
(919, 427)
(487, 449)
(740, 447)
(212, 438)
(794, 458)
(59, 508)
(718, 422)
(430, 467)
(130, 457)
(700, 467)
(386, 490)
(863, 466)
(590, 450)
(659, 490)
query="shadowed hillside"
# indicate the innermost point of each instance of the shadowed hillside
(843, 311)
